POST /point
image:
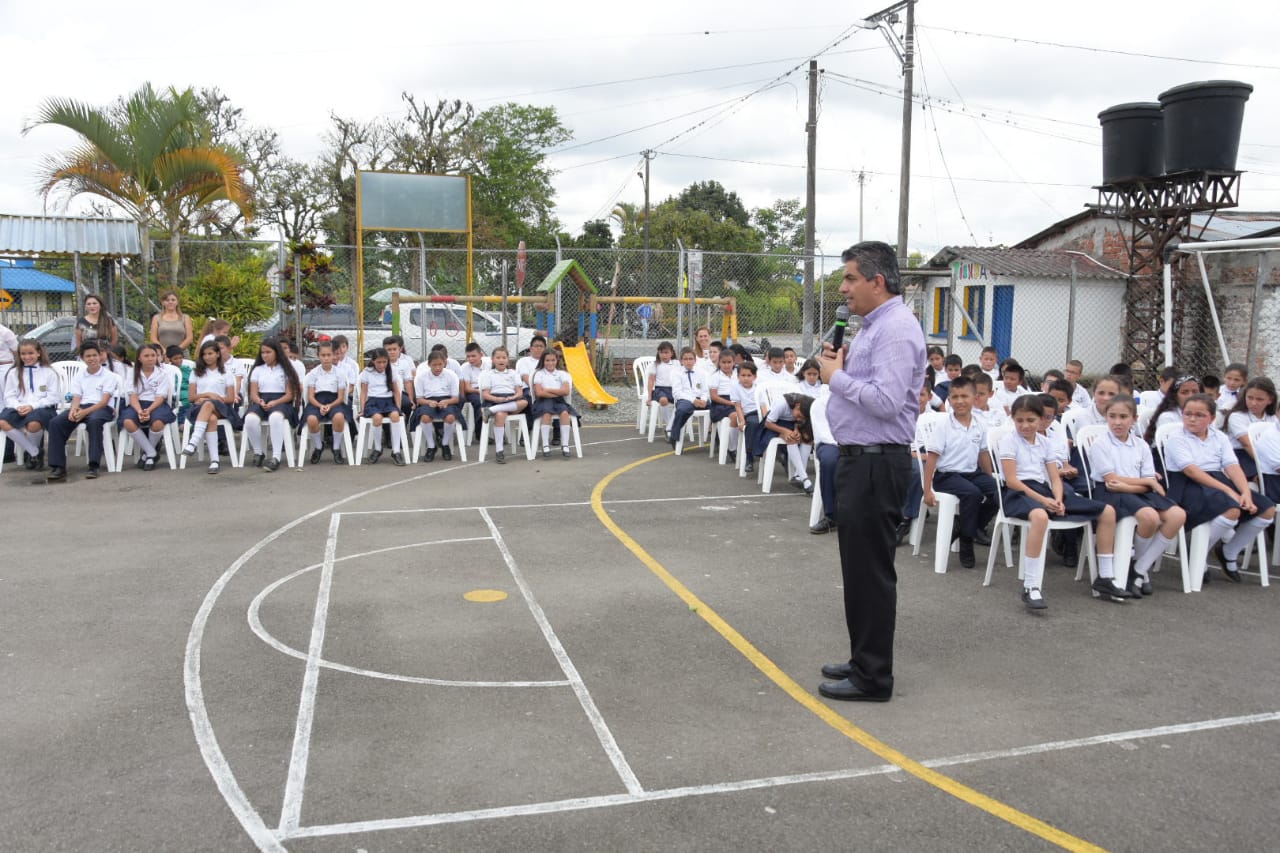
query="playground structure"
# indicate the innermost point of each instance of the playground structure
(579, 359)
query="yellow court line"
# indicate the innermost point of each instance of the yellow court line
(1005, 812)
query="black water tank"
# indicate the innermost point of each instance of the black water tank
(1202, 125)
(1132, 142)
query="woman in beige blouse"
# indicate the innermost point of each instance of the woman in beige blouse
(171, 327)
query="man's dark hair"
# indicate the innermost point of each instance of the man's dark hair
(953, 360)
(874, 258)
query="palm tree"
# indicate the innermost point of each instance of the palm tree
(149, 154)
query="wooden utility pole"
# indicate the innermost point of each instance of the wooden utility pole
(904, 182)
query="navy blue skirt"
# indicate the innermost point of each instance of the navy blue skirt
(40, 414)
(1126, 504)
(379, 406)
(1203, 503)
(1018, 505)
(221, 409)
(720, 411)
(765, 435)
(290, 412)
(436, 415)
(1245, 458)
(662, 391)
(552, 406)
(325, 398)
(162, 413)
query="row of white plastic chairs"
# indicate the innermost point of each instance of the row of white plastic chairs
(1192, 553)
(117, 444)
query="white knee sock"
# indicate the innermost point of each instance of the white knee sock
(377, 436)
(733, 440)
(36, 438)
(498, 436)
(19, 437)
(546, 436)
(317, 438)
(199, 430)
(798, 459)
(276, 424)
(211, 442)
(143, 440)
(1033, 572)
(1221, 530)
(505, 407)
(1107, 566)
(337, 436)
(253, 431)
(1154, 551)
(566, 436)
(430, 429)
(1246, 532)
(448, 434)
(397, 435)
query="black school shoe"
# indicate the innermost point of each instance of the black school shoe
(446, 453)
(92, 473)
(315, 456)
(966, 553)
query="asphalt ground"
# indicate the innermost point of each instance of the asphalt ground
(315, 661)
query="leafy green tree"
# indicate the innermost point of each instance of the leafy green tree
(713, 199)
(237, 292)
(514, 197)
(596, 234)
(149, 154)
(781, 226)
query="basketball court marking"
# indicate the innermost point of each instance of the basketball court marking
(774, 673)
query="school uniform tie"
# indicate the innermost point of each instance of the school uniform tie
(690, 372)
(31, 378)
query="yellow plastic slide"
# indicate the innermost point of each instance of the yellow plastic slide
(584, 378)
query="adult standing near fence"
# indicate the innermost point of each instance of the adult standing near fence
(170, 327)
(95, 324)
(645, 313)
(875, 388)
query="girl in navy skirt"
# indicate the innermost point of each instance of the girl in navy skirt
(148, 395)
(1124, 474)
(1206, 480)
(720, 387)
(1255, 404)
(1267, 450)
(210, 393)
(552, 389)
(437, 393)
(326, 389)
(788, 419)
(380, 390)
(273, 390)
(1034, 491)
(32, 390)
(662, 376)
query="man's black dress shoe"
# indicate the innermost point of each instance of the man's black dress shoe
(849, 692)
(836, 671)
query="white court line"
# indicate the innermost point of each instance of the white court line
(291, 811)
(255, 624)
(752, 495)
(571, 672)
(581, 803)
(193, 687)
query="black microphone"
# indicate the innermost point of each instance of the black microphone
(842, 323)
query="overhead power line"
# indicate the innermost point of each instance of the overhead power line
(1091, 49)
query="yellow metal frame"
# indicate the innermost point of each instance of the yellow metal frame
(359, 296)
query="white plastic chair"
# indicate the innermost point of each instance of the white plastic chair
(520, 435)
(640, 373)
(701, 419)
(1003, 523)
(1194, 553)
(290, 460)
(948, 504)
(304, 440)
(420, 441)
(1126, 528)
(1255, 433)
(228, 432)
(170, 436)
(364, 438)
(1144, 418)
(1074, 419)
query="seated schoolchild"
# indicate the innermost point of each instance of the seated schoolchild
(788, 419)
(32, 390)
(957, 464)
(553, 389)
(273, 390)
(1256, 403)
(148, 405)
(953, 365)
(690, 390)
(746, 413)
(828, 453)
(92, 396)
(469, 379)
(1206, 480)
(991, 414)
(1034, 491)
(327, 389)
(810, 383)
(212, 393)
(1011, 385)
(437, 395)
(503, 395)
(1124, 474)
(720, 389)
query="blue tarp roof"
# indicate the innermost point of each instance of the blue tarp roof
(21, 277)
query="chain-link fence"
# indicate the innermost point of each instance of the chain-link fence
(1246, 298)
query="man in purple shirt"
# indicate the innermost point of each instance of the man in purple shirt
(875, 389)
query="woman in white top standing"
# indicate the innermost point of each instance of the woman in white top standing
(273, 392)
(552, 388)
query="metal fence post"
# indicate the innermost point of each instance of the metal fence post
(504, 303)
(1253, 321)
(1071, 309)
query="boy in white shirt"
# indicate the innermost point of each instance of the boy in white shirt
(775, 371)
(746, 412)
(469, 373)
(957, 465)
(989, 361)
(992, 415)
(690, 390)
(92, 393)
(1010, 387)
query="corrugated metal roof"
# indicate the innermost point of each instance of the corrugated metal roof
(68, 235)
(1033, 263)
(1235, 224)
(27, 279)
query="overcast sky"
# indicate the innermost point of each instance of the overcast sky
(1014, 125)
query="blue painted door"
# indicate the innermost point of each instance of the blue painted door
(1002, 319)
